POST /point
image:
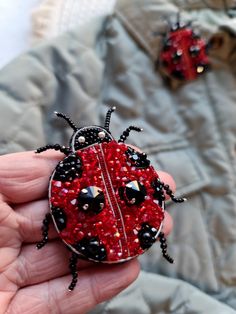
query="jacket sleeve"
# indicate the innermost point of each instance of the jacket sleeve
(64, 74)
(152, 293)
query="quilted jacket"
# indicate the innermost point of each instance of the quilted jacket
(190, 132)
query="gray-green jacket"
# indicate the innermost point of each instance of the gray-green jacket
(189, 131)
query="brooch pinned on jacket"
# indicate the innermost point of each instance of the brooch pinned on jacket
(184, 53)
(106, 201)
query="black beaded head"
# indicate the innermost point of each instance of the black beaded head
(90, 135)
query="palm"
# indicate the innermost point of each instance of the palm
(33, 281)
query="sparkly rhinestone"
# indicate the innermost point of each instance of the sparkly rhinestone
(93, 199)
(117, 234)
(73, 202)
(134, 193)
(135, 157)
(133, 201)
(85, 207)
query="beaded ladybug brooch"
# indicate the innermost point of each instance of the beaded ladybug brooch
(184, 54)
(106, 200)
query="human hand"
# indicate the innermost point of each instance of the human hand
(33, 281)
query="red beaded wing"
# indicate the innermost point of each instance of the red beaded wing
(119, 222)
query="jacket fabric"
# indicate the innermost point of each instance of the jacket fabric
(189, 132)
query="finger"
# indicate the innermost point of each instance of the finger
(24, 176)
(94, 286)
(167, 224)
(30, 221)
(52, 260)
(35, 266)
(167, 179)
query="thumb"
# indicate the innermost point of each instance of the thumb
(95, 285)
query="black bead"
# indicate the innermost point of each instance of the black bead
(91, 199)
(91, 137)
(177, 56)
(163, 245)
(45, 229)
(158, 191)
(133, 193)
(178, 74)
(60, 217)
(165, 63)
(91, 248)
(57, 146)
(147, 236)
(137, 159)
(194, 51)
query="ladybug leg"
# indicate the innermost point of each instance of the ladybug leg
(163, 245)
(73, 269)
(171, 194)
(62, 149)
(125, 134)
(45, 228)
(159, 188)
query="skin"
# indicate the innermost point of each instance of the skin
(35, 281)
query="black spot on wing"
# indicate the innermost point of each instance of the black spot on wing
(137, 159)
(147, 236)
(91, 248)
(68, 169)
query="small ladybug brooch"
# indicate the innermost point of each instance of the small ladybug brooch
(184, 54)
(106, 200)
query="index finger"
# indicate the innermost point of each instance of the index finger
(24, 176)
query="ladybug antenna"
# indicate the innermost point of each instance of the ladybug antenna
(108, 118)
(178, 18)
(68, 120)
(125, 134)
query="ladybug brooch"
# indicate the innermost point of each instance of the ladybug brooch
(184, 54)
(106, 200)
